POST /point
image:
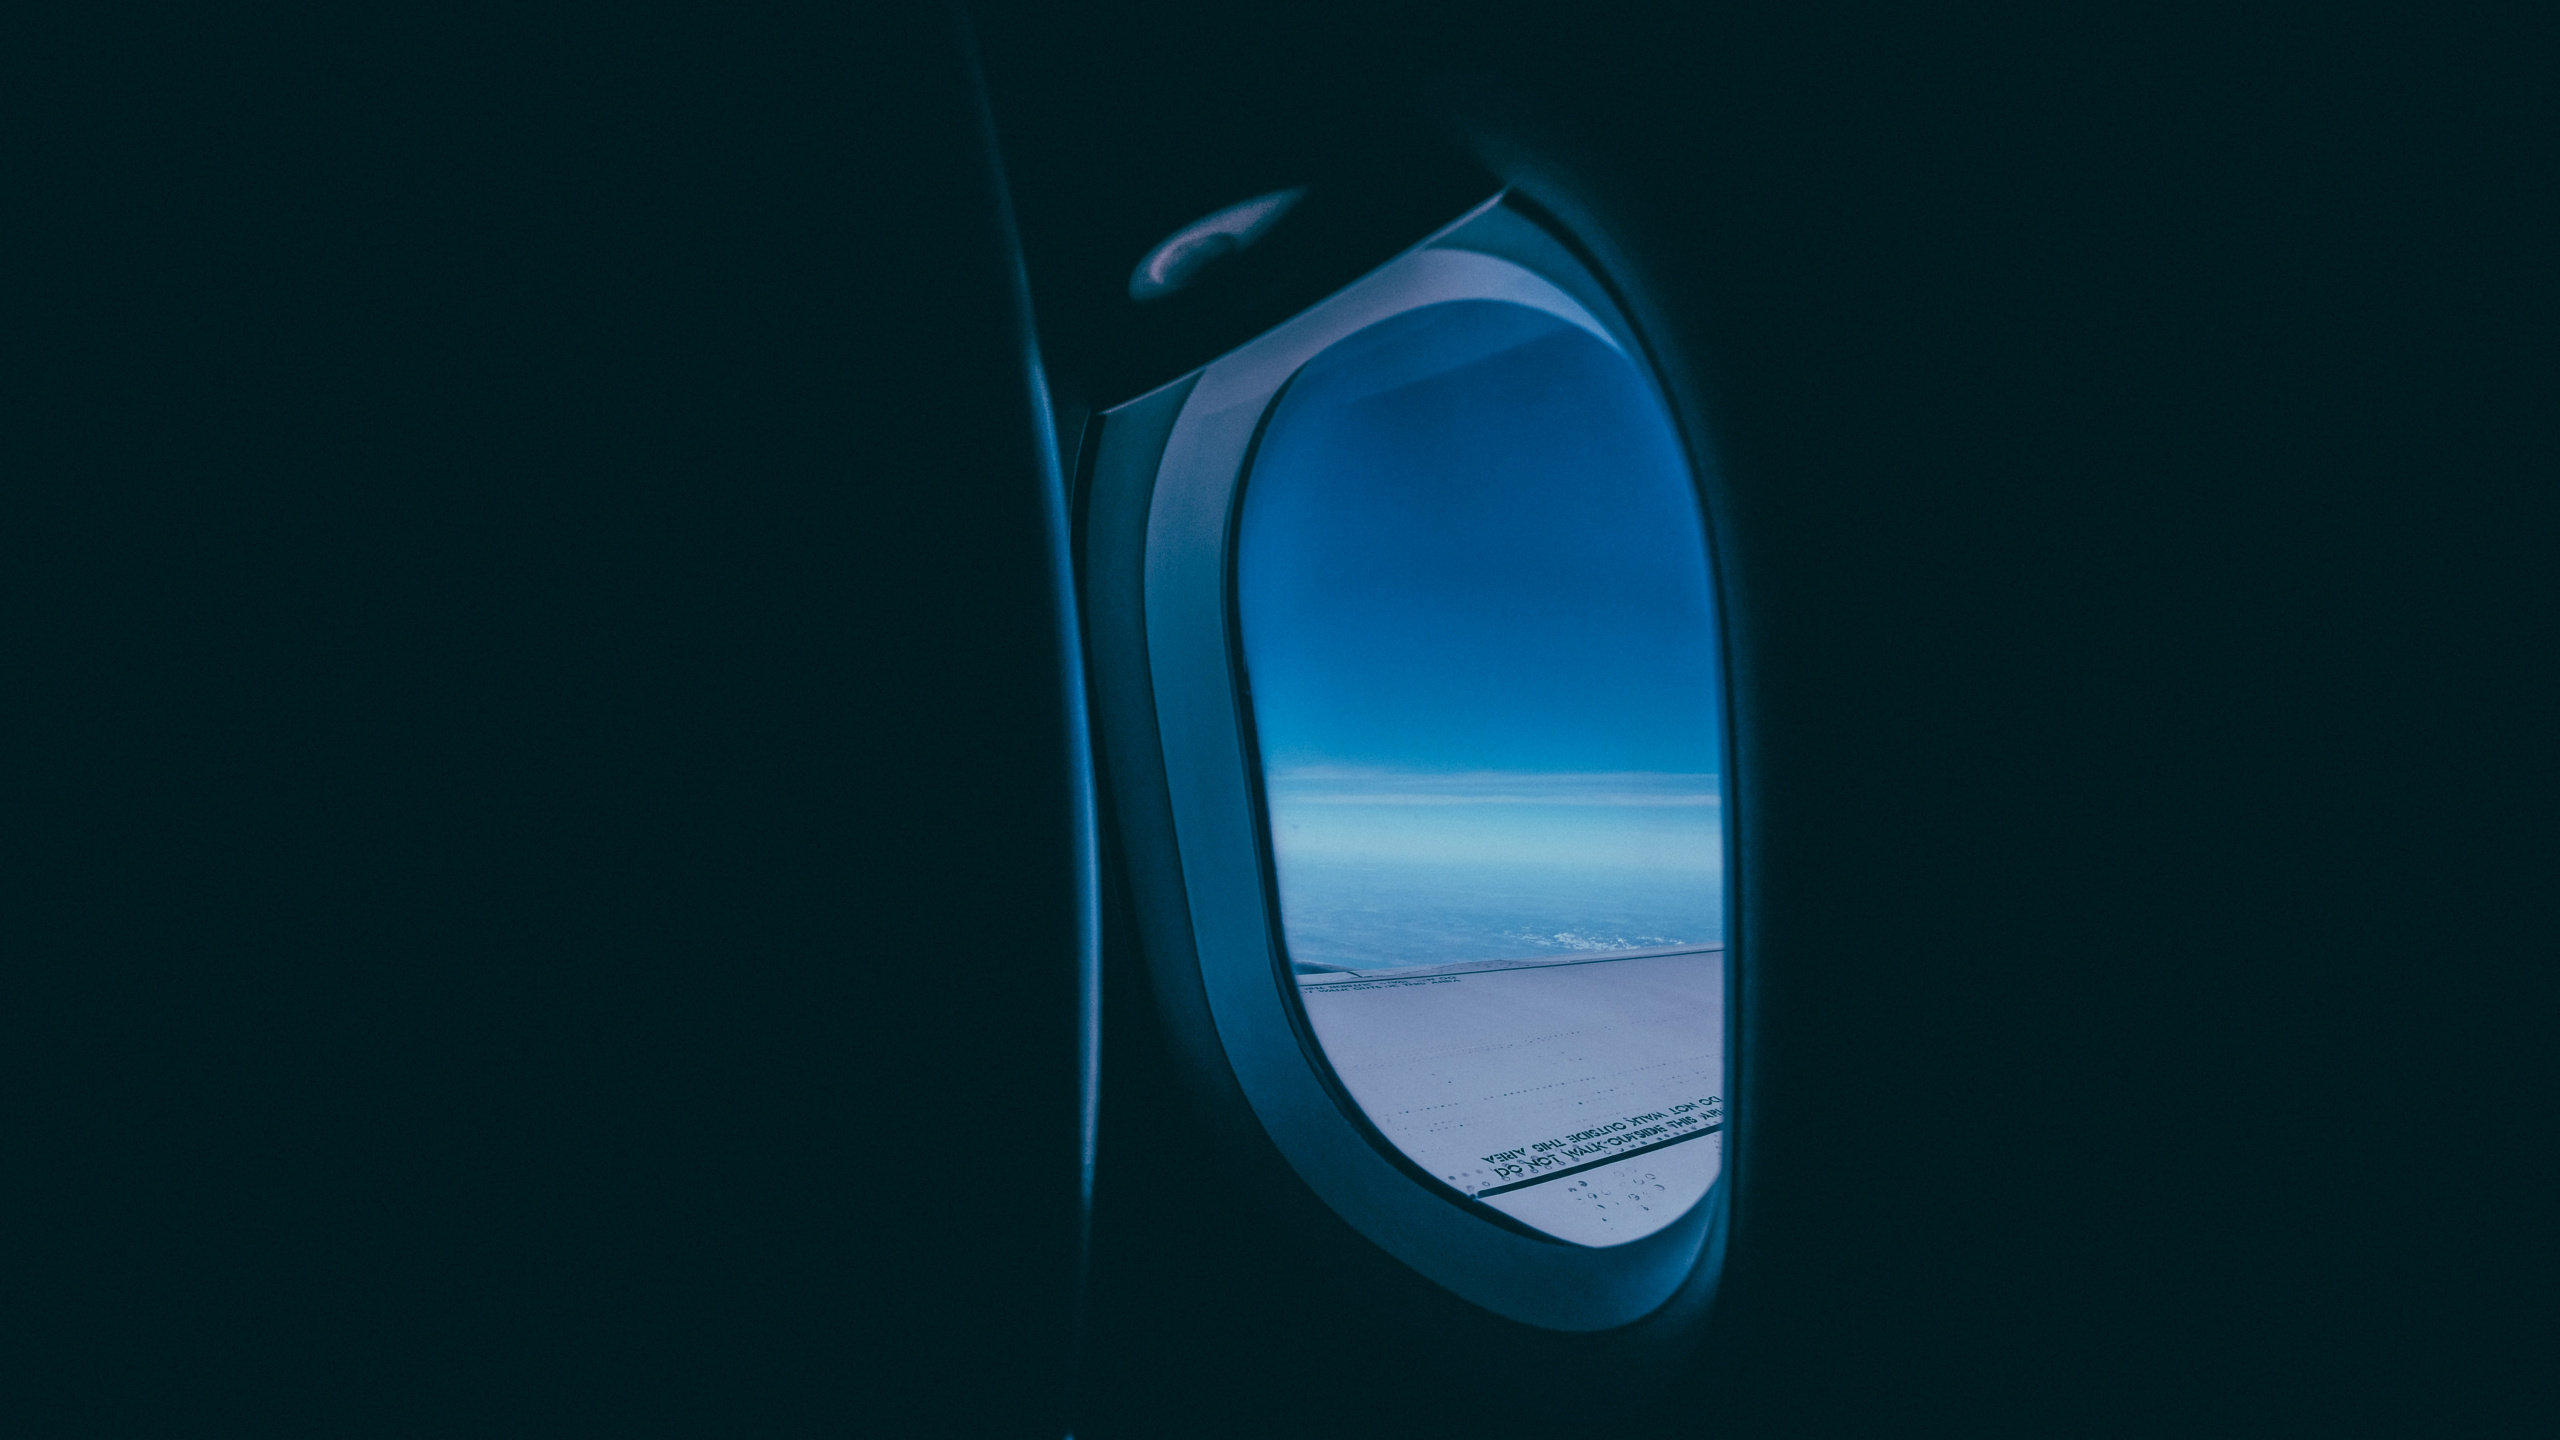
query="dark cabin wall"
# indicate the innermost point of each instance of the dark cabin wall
(2124, 528)
(540, 894)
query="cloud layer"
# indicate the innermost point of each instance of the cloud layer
(1622, 820)
(1375, 785)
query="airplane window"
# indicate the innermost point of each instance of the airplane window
(1478, 636)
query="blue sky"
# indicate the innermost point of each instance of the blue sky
(1475, 608)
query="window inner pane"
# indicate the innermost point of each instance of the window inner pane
(1479, 638)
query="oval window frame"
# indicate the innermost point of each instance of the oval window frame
(1212, 780)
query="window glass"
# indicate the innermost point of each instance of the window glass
(1479, 639)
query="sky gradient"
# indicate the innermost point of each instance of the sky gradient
(1480, 639)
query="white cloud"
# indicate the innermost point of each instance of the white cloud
(1567, 825)
(1604, 789)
